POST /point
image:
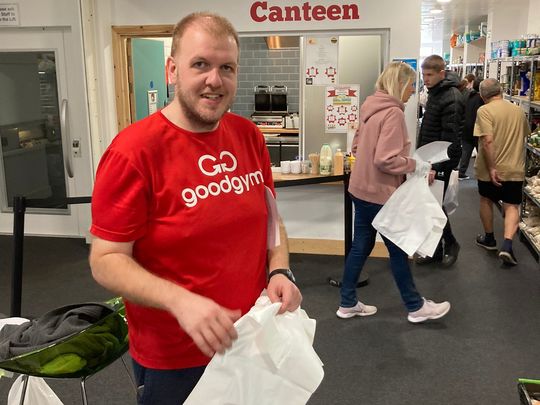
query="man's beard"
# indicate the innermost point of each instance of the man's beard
(198, 118)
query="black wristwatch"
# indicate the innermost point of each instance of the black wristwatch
(286, 272)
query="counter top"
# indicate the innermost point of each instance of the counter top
(279, 130)
(284, 180)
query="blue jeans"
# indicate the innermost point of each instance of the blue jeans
(362, 245)
(165, 387)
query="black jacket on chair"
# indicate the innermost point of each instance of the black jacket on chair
(443, 120)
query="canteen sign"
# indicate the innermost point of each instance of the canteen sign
(262, 11)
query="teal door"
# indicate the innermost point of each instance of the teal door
(149, 86)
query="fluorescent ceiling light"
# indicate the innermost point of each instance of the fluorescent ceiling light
(436, 10)
(444, 1)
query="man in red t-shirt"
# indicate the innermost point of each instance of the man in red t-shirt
(179, 218)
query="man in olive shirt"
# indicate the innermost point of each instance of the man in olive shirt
(500, 165)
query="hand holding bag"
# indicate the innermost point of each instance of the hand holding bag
(271, 362)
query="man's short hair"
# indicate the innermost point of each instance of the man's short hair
(434, 62)
(215, 24)
(470, 77)
(490, 88)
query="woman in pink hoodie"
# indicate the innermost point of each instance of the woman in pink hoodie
(381, 146)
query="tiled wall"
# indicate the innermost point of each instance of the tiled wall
(262, 66)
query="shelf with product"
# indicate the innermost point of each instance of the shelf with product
(529, 224)
(468, 56)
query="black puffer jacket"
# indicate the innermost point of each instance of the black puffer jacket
(443, 120)
(472, 104)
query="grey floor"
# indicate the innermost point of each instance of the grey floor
(472, 356)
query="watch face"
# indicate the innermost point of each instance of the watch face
(290, 275)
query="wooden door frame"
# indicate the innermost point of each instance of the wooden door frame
(120, 37)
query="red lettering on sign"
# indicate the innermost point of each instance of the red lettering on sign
(260, 12)
(275, 14)
(253, 11)
(350, 12)
(333, 12)
(292, 13)
(319, 13)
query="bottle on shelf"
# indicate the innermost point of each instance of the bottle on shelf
(325, 160)
(338, 162)
(352, 160)
(347, 163)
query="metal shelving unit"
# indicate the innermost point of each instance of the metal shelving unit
(535, 250)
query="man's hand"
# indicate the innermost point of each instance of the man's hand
(281, 289)
(494, 176)
(210, 325)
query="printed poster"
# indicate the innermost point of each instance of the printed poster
(341, 107)
(321, 60)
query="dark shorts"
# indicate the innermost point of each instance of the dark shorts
(509, 193)
(165, 387)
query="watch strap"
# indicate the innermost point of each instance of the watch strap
(286, 272)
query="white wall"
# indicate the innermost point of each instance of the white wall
(508, 20)
(47, 13)
(533, 17)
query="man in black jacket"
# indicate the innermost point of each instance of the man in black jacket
(442, 121)
(473, 102)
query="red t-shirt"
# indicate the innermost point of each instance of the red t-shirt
(194, 203)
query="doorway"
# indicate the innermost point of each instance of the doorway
(45, 144)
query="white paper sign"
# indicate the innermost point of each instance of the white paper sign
(341, 107)
(152, 101)
(9, 15)
(321, 66)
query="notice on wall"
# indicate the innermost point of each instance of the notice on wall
(9, 15)
(152, 101)
(321, 60)
(341, 107)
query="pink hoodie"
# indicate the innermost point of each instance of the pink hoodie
(381, 146)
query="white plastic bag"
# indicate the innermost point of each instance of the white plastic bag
(37, 393)
(450, 201)
(412, 218)
(271, 362)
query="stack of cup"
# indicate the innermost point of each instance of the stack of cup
(285, 166)
(296, 167)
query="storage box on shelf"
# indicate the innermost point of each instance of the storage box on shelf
(468, 56)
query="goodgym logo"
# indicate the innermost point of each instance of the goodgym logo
(212, 166)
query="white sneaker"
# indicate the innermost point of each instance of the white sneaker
(358, 310)
(430, 310)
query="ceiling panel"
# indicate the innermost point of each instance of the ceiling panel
(457, 14)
